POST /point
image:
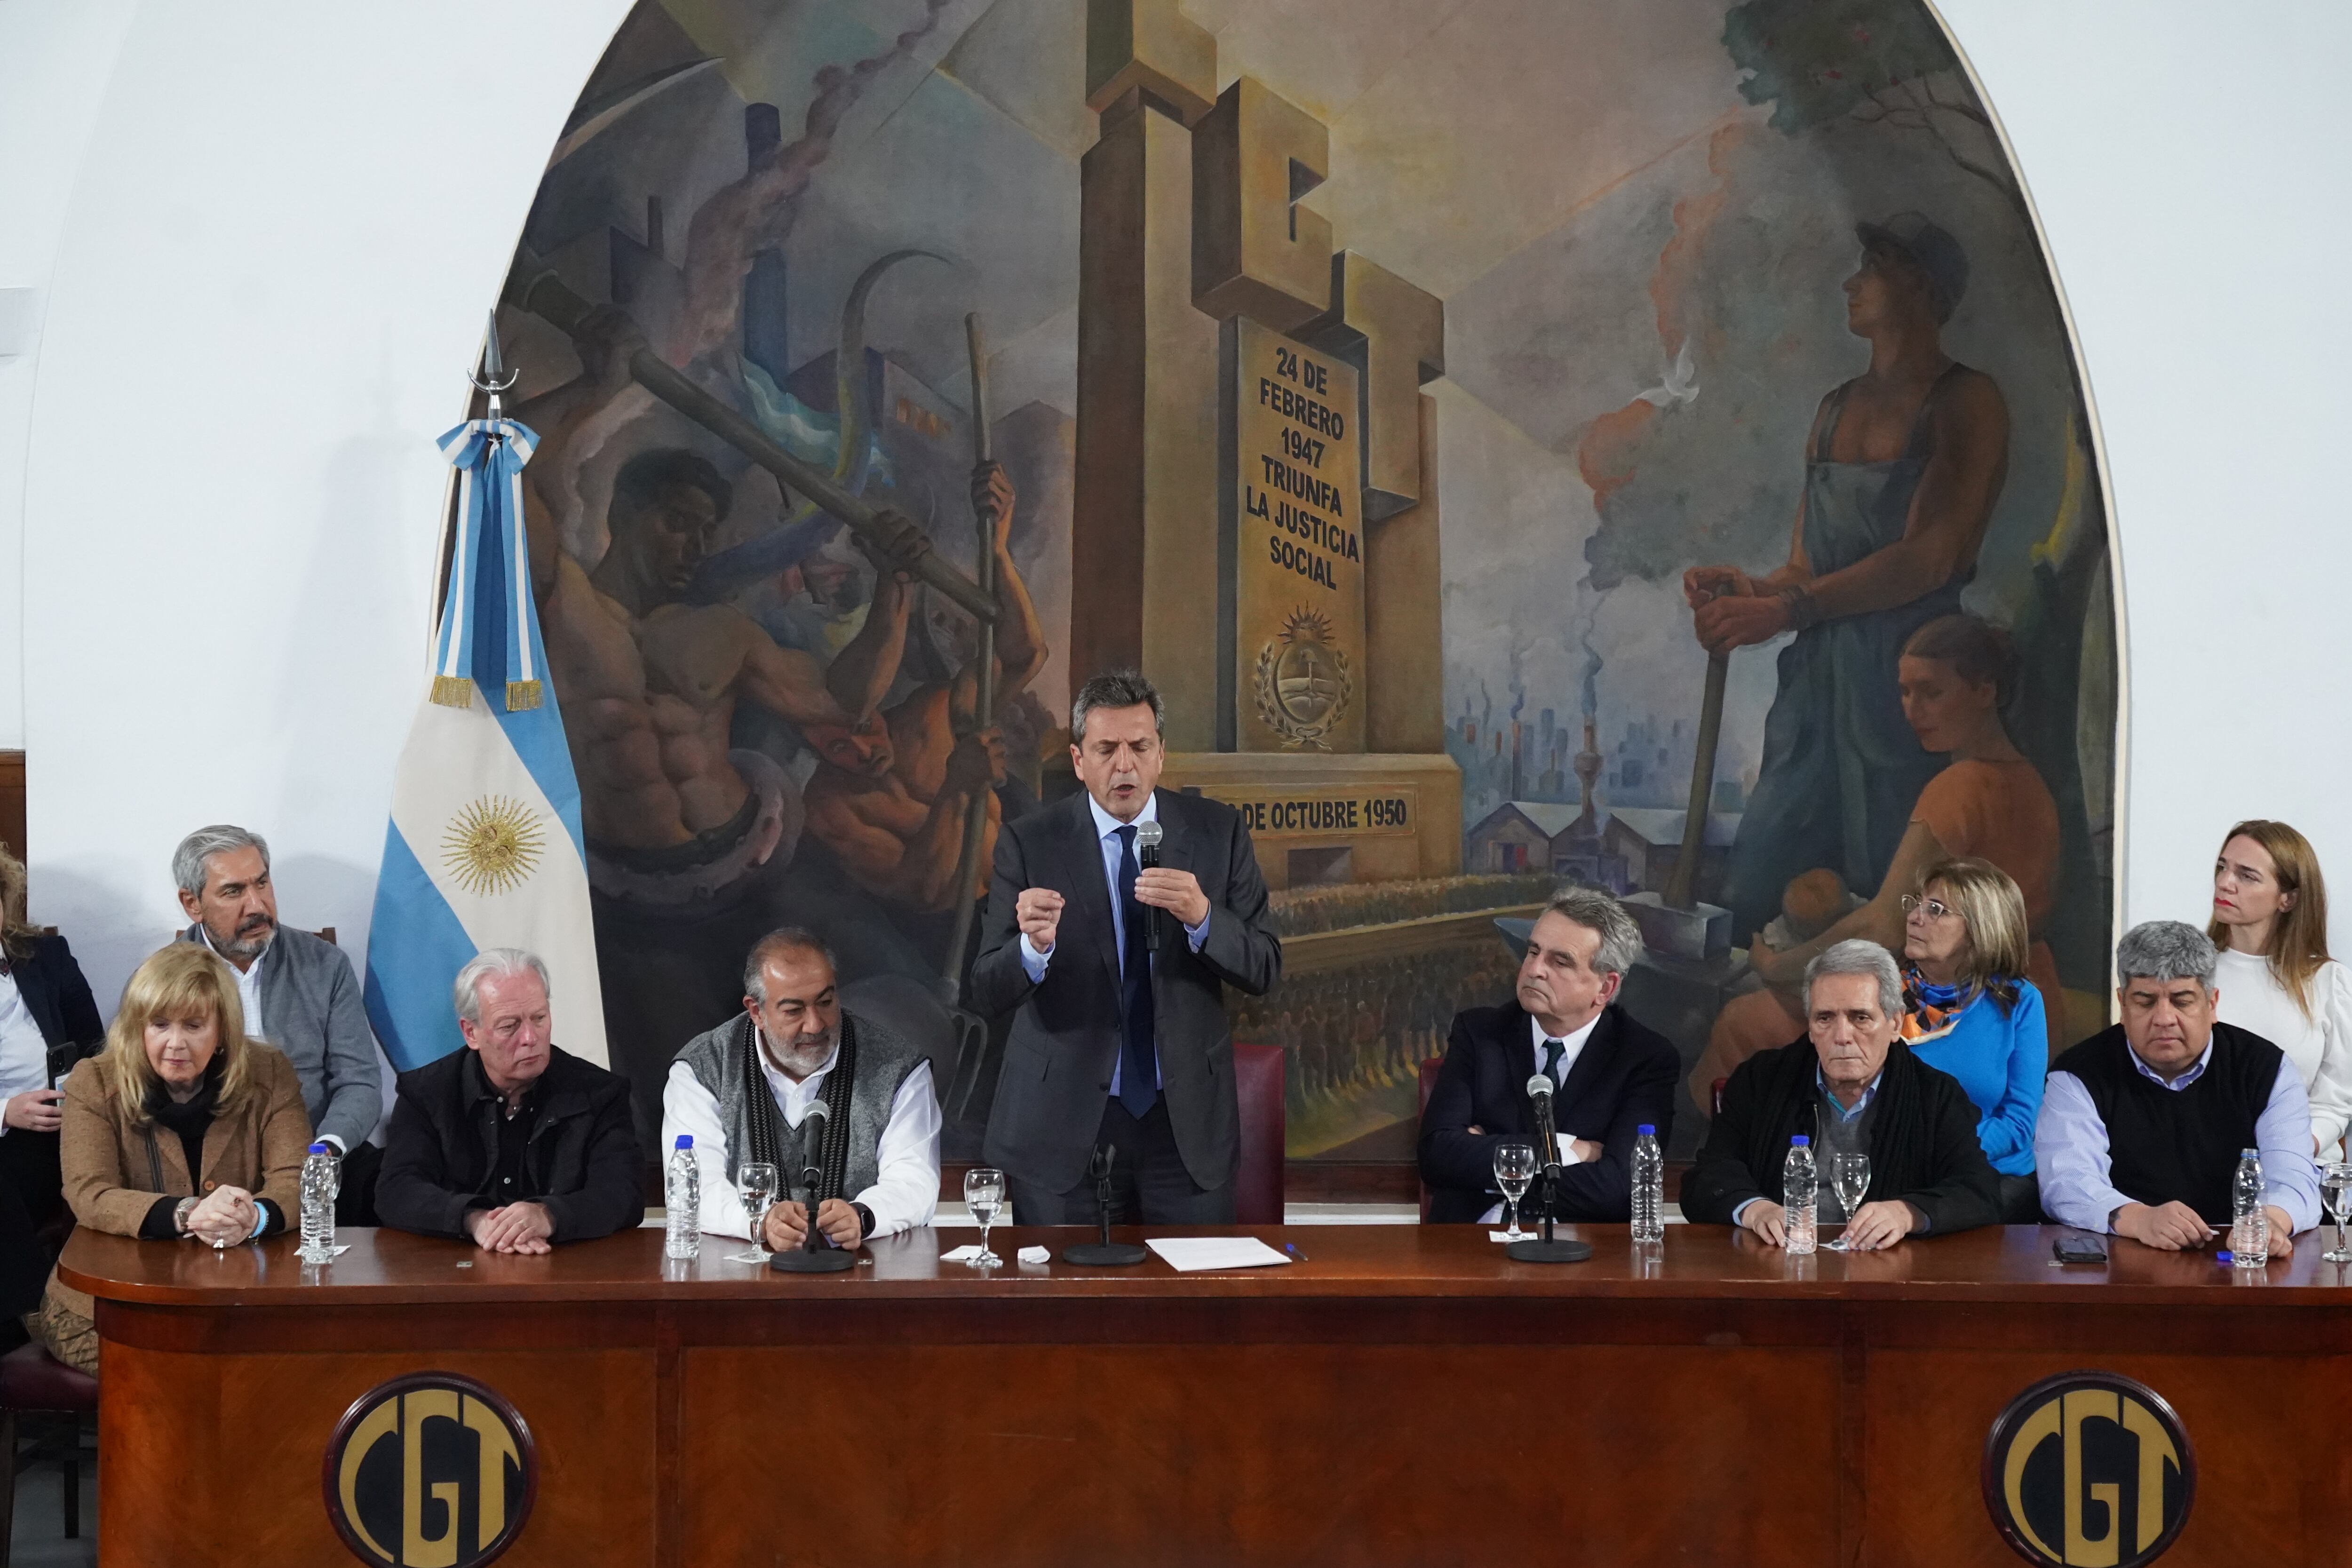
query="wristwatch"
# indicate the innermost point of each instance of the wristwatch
(865, 1220)
(180, 1213)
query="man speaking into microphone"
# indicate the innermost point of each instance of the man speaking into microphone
(1116, 918)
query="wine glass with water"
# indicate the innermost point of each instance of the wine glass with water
(1850, 1174)
(983, 1194)
(756, 1180)
(1515, 1167)
(2336, 1190)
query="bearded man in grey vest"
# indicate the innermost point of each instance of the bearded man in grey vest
(746, 1092)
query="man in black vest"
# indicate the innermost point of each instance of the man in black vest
(1120, 1037)
(2142, 1125)
(747, 1091)
(1610, 1074)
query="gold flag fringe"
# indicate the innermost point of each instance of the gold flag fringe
(453, 692)
(523, 695)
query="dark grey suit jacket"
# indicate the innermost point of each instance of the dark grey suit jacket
(313, 1011)
(1065, 1037)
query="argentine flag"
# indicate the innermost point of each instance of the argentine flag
(485, 846)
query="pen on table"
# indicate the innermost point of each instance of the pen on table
(1296, 1256)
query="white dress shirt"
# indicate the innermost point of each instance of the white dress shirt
(1571, 1048)
(23, 1049)
(1114, 847)
(248, 996)
(248, 985)
(905, 1190)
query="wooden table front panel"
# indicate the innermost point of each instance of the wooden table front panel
(1244, 1455)
(1409, 1397)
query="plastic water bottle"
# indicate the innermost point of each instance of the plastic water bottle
(685, 1199)
(2249, 1228)
(1649, 1186)
(1800, 1188)
(321, 1178)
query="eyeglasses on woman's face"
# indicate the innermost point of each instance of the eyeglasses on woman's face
(1932, 908)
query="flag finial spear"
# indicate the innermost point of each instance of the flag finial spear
(494, 377)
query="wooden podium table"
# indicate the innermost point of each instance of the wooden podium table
(1405, 1395)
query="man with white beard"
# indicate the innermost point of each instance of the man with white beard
(744, 1090)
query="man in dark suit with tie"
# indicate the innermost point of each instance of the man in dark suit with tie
(1614, 1075)
(1121, 1038)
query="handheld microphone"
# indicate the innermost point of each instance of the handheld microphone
(1148, 835)
(1539, 1092)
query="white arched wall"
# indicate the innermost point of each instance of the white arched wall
(287, 222)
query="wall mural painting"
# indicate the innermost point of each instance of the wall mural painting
(1440, 403)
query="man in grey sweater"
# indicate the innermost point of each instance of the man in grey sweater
(299, 995)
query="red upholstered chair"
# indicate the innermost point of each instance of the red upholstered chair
(1257, 1185)
(34, 1383)
(1428, 1086)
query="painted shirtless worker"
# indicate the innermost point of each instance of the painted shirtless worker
(688, 839)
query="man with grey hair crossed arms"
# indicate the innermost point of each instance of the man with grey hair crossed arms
(511, 1142)
(2142, 1125)
(1611, 1076)
(1850, 1087)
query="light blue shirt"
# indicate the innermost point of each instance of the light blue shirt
(2070, 1145)
(1034, 962)
(1869, 1092)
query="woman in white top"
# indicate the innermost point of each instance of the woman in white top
(2270, 920)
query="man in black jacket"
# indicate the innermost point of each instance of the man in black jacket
(1121, 1039)
(1852, 1086)
(1612, 1076)
(510, 1141)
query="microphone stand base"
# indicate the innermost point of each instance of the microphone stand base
(1547, 1251)
(1104, 1253)
(832, 1260)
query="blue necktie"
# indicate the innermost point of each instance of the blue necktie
(1139, 1065)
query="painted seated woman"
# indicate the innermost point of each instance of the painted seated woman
(1957, 674)
(1969, 1011)
(180, 1131)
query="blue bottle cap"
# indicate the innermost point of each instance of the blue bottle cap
(2250, 1153)
(2224, 1256)
(686, 1139)
(322, 1149)
(1646, 1131)
(1800, 1141)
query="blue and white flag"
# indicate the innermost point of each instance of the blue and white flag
(485, 846)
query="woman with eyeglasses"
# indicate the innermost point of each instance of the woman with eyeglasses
(1969, 1011)
(2270, 920)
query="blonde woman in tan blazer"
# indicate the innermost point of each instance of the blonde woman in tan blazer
(180, 1129)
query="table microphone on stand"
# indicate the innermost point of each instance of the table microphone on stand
(1104, 1253)
(1547, 1249)
(1148, 835)
(813, 1255)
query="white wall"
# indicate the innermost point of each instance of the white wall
(288, 219)
(2189, 162)
(55, 58)
(286, 230)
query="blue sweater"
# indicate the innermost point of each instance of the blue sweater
(2000, 1061)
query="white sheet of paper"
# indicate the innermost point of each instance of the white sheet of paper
(1191, 1254)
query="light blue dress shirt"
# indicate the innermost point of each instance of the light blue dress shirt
(1821, 1083)
(1034, 962)
(2070, 1145)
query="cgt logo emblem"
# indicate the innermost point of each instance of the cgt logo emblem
(432, 1471)
(2089, 1470)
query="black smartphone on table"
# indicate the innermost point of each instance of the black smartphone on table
(2079, 1249)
